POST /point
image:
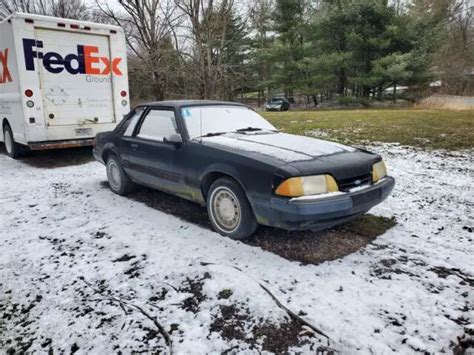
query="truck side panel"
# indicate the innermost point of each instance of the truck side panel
(11, 109)
(77, 72)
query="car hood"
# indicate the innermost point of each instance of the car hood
(281, 146)
(299, 154)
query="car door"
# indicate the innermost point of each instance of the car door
(151, 160)
(125, 132)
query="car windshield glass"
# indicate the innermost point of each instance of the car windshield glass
(209, 120)
(276, 101)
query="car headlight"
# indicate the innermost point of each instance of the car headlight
(307, 185)
(379, 171)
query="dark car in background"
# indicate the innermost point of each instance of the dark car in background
(227, 157)
(277, 104)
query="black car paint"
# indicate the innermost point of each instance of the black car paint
(187, 169)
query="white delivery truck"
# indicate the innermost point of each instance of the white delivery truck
(61, 81)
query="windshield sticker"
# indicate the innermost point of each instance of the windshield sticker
(185, 112)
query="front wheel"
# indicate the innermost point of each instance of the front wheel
(12, 148)
(229, 210)
(118, 180)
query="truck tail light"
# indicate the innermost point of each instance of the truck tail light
(123, 93)
(28, 93)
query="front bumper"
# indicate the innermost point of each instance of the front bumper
(97, 156)
(322, 213)
(273, 108)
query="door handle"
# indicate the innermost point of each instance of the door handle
(134, 146)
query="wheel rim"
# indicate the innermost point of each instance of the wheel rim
(114, 174)
(225, 209)
(8, 141)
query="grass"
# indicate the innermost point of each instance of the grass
(432, 129)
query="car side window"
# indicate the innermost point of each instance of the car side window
(158, 124)
(129, 126)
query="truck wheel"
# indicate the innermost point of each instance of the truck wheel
(229, 210)
(119, 182)
(12, 148)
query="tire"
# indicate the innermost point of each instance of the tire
(118, 180)
(229, 210)
(11, 147)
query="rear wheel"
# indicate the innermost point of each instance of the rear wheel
(12, 148)
(229, 210)
(118, 180)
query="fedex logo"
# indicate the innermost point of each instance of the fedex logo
(5, 76)
(85, 61)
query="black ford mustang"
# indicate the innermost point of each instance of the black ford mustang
(229, 158)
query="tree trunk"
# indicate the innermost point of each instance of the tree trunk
(341, 85)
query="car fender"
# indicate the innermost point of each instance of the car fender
(109, 148)
(225, 169)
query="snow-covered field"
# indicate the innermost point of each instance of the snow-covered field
(83, 270)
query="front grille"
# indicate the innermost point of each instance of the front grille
(350, 183)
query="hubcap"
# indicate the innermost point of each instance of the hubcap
(226, 209)
(113, 174)
(8, 141)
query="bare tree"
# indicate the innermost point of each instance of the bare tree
(149, 26)
(211, 24)
(72, 9)
(455, 59)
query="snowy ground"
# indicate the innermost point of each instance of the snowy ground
(83, 270)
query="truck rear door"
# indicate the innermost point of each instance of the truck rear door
(76, 77)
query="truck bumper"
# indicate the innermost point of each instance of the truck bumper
(70, 143)
(321, 213)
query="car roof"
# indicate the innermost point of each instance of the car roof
(187, 103)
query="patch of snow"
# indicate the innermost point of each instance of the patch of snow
(317, 197)
(317, 133)
(281, 146)
(359, 188)
(61, 227)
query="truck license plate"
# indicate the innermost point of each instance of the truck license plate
(81, 132)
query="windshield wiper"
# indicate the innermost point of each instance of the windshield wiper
(212, 134)
(249, 129)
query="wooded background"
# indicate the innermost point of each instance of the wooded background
(314, 52)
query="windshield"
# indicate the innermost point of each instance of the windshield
(276, 101)
(220, 119)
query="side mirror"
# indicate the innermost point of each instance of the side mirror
(173, 139)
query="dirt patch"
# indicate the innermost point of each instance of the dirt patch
(17, 315)
(194, 287)
(316, 247)
(307, 247)
(232, 322)
(444, 272)
(50, 159)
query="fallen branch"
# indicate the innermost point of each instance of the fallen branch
(290, 313)
(122, 303)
